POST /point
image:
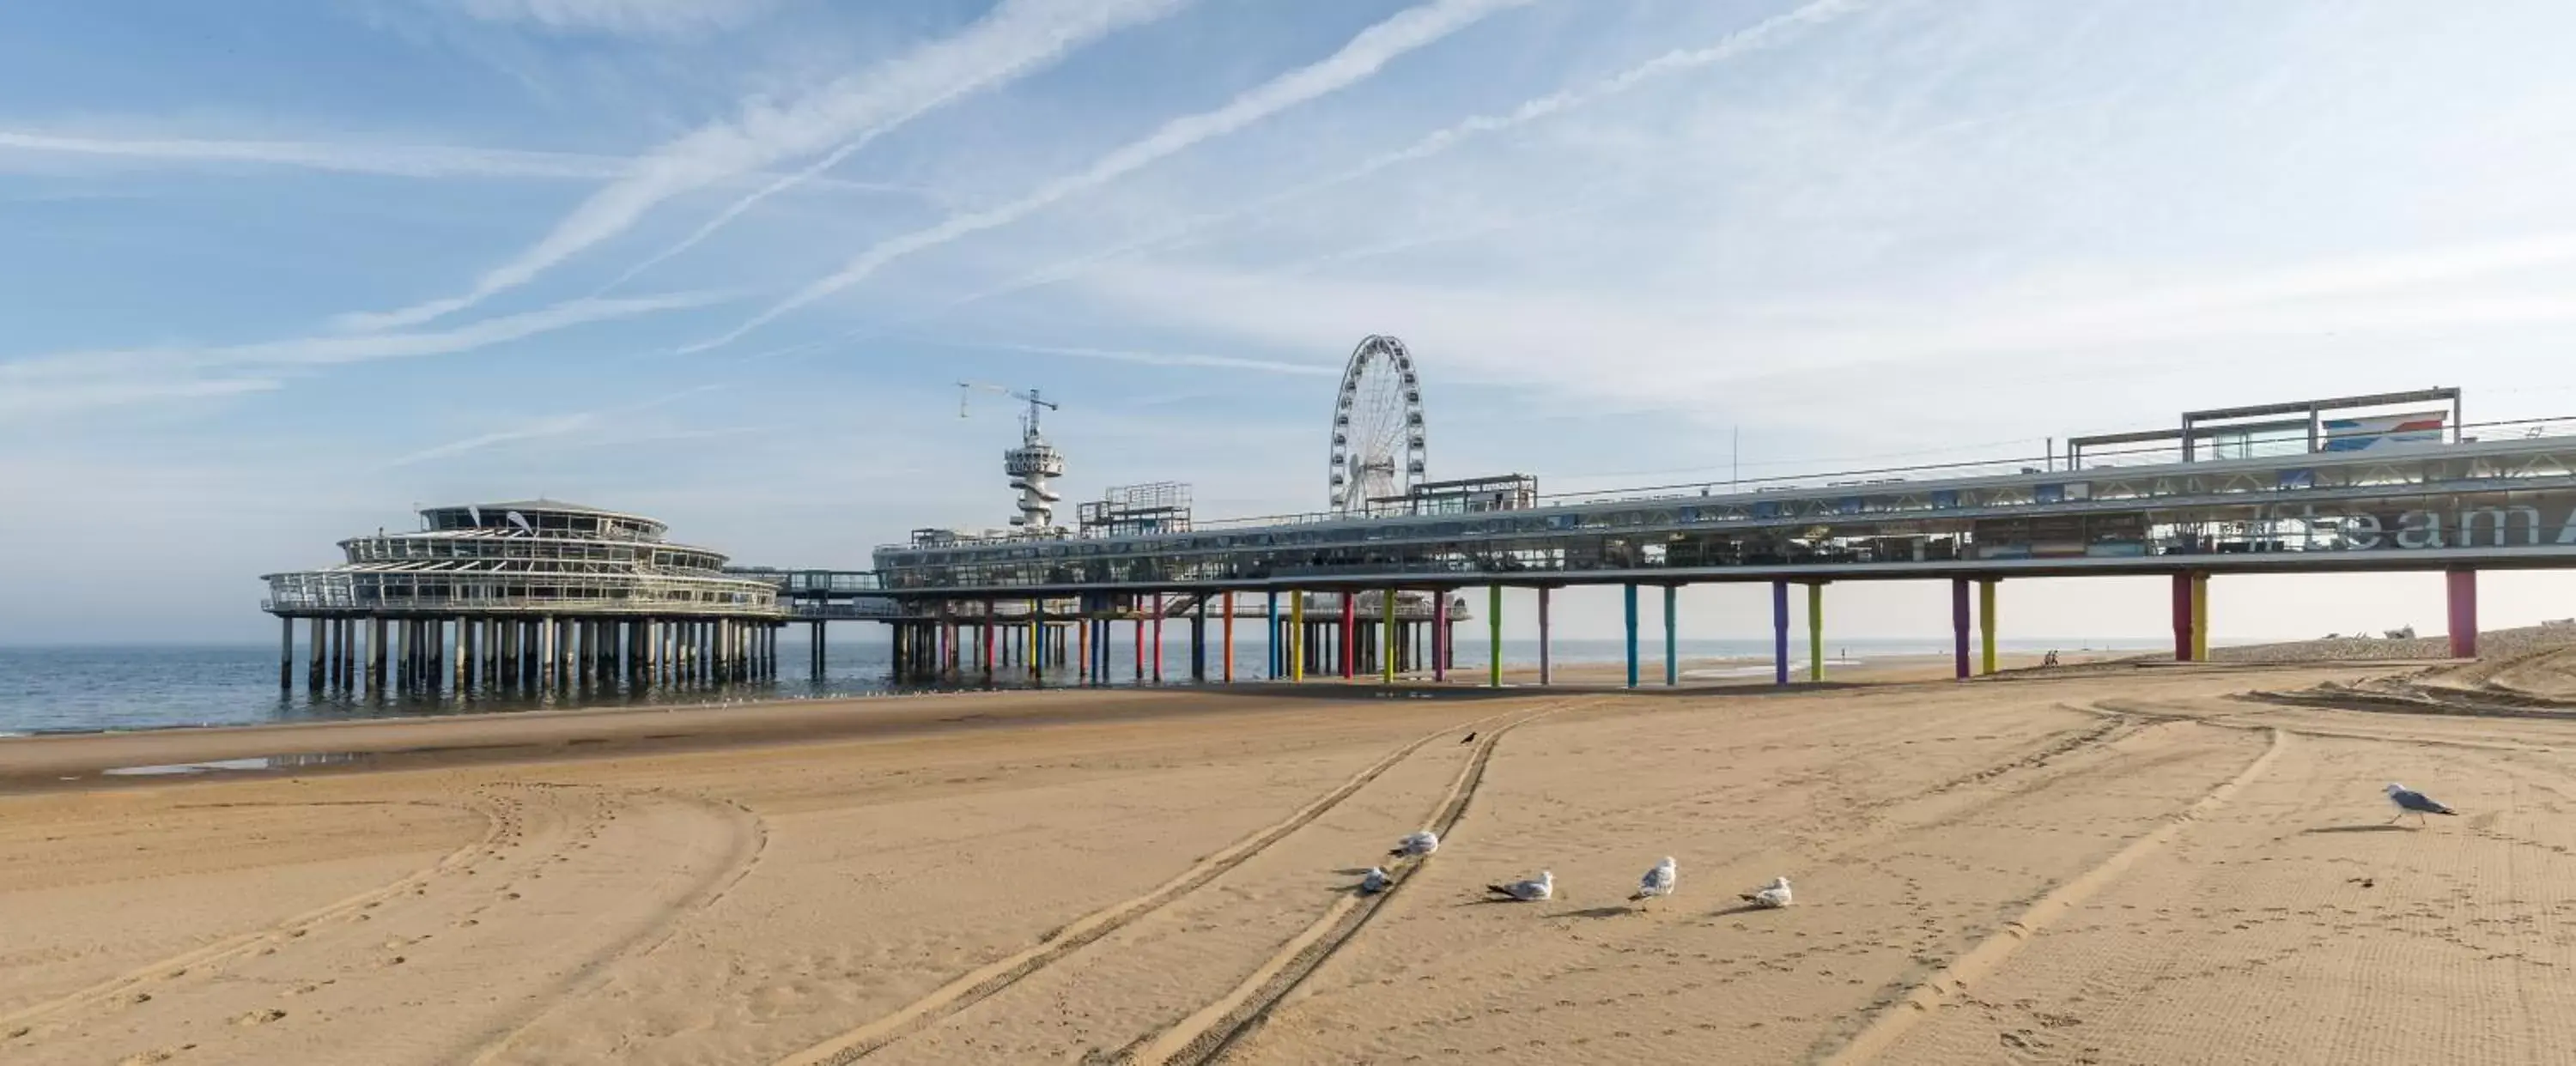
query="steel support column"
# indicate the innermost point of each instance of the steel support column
(1959, 624)
(1986, 623)
(1672, 636)
(1628, 603)
(1815, 631)
(1494, 635)
(1546, 665)
(1225, 666)
(1779, 632)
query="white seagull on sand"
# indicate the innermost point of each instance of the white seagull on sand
(1537, 888)
(1416, 845)
(1658, 881)
(2409, 801)
(1373, 882)
(1775, 894)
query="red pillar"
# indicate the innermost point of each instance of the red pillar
(990, 630)
(2182, 617)
(1440, 635)
(2464, 613)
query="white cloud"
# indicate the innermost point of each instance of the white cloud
(657, 17)
(1356, 62)
(69, 382)
(1017, 38)
(1767, 33)
(554, 426)
(27, 148)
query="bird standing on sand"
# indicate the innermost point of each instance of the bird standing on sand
(1658, 881)
(1416, 845)
(1775, 894)
(2409, 801)
(1373, 882)
(1537, 888)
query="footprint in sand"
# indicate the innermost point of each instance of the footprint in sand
(260, 1017)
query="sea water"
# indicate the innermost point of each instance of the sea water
(98, 687)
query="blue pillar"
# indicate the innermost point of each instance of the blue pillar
(1672, 660)
(1780, 632)
(1275, 668)
(1632, 635)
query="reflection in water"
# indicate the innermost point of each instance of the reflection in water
(304, 760)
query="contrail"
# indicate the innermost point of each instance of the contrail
(1016, 38)
(1358, 60)
(1764, 34)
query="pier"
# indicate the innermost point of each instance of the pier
(523, 597)
(535, 594)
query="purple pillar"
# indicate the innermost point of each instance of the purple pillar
(2182, 628)
(1780, 632)
(1959, 623)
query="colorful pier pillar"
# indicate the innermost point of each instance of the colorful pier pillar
(1959, 624)
(2182, 611)
(1629, 592)
(1226, 665)
(1275, 668)
(1546, 668)
(1815, 631)
(1986, 622)
(1440, 635)
(1351, 634)
(1779, 632)
(1494, 635)
(1386, 636)
(1158, 638)
(1296, 635)
(2200, 617)
(1198, 640)
(1672, 639)
(2463, 584)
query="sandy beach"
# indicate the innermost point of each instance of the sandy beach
(2109, 863)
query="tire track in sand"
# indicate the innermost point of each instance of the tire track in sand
(983, 982)
(1206, 1034)
(1973, 965)
(500, 816)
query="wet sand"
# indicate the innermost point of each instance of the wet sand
(2105, 863)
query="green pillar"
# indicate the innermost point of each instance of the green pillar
(1816, 631)
(1986, 623)
(1494, 634)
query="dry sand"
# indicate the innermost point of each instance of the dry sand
(2108, 863)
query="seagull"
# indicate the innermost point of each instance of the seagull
(1374, 882)
(1471, 738)
(1416, 845)
(1537, 888)
(2409, 801)
(1775, 894)
(1658, 881)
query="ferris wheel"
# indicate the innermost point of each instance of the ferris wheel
(1377, 427)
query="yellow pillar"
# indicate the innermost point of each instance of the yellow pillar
(1296, 636)
(1986, 623)
(1816, 631)
(1386, 639)
(2200, 617)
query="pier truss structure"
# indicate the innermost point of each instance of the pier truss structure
(525, 596)
(2344, 486)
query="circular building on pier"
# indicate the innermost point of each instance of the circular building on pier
(526, 593)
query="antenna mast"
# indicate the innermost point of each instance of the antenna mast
(1033, 464)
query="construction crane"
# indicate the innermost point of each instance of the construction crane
(1031, 465)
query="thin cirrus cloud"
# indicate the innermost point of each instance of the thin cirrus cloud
(1357, 61)
(1015, 39)
(653, 17)
(1768, 33)
(427, 161)
(69, 382)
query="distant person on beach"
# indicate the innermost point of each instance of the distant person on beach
(2049, 659)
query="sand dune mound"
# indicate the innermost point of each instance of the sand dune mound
(2520, 671)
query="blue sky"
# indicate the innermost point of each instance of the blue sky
(276, 272)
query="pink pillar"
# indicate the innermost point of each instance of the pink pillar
(2464, 613)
